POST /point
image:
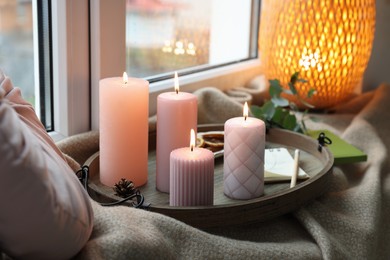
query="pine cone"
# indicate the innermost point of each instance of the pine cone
(124, 188)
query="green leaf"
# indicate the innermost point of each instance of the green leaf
(294, 78)
(275, 89)
(257, 112)
(292, 88)
(268, 110)
(311, 92)
(280, 112)
(279, 115)
(290, 122)
(274, 83)
(279, 101)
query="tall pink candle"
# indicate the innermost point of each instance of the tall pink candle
(177, 114)
(191, 176)
(243, 168)
(124, 133)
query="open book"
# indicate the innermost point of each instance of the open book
(279, 166)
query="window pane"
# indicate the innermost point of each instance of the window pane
(188, 35)
(16, 45)
(17, 52)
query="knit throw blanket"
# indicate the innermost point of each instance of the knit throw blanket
(351, 221)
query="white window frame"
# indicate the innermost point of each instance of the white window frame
(70, 70)
(80, 60)
(36, 58)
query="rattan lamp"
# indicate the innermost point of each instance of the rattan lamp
(328, 41)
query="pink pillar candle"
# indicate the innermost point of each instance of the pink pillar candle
(243, 168)
(177, 114)
(123, 120)
(191, 177)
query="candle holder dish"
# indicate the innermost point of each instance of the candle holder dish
(278, 198)
(212, 140)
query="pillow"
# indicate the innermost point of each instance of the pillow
(44, 211)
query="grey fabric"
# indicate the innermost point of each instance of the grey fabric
(351, 221)
(81, 146)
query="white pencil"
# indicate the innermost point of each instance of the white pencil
(295, 169)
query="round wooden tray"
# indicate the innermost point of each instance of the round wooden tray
(278, 198)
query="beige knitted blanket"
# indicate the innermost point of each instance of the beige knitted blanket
(351, 221)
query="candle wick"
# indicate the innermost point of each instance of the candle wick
(192, 148)
(245, 118)
(177, 91)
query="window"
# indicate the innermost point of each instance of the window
(25, 52)
(58, 56)
(188, 35)
(57, 51)
(44, 49)
(16, 45)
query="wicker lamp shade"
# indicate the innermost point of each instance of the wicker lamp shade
(328, 41)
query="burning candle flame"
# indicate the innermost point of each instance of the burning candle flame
(192, 140)
(245, 110)
(125, 78)
(176, 83)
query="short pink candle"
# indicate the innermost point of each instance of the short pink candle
(123, 117)
(177, 114)
(191, 176)
(243, 168)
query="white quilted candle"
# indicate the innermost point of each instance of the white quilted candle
(191, 176)
(243, 168)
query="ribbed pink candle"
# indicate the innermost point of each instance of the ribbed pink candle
(123, 130)
(177, 114)
(243, 168)
(191, 177)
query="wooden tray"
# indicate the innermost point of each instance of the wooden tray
(277, 200)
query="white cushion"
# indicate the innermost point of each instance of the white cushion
(44, 211)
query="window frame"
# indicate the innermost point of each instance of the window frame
(70, 68)
(43, 62)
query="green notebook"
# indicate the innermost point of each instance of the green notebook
(342, 151)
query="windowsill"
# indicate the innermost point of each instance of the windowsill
(205, 75)
(56, 136)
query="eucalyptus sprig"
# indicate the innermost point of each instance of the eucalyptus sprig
(279, 111)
